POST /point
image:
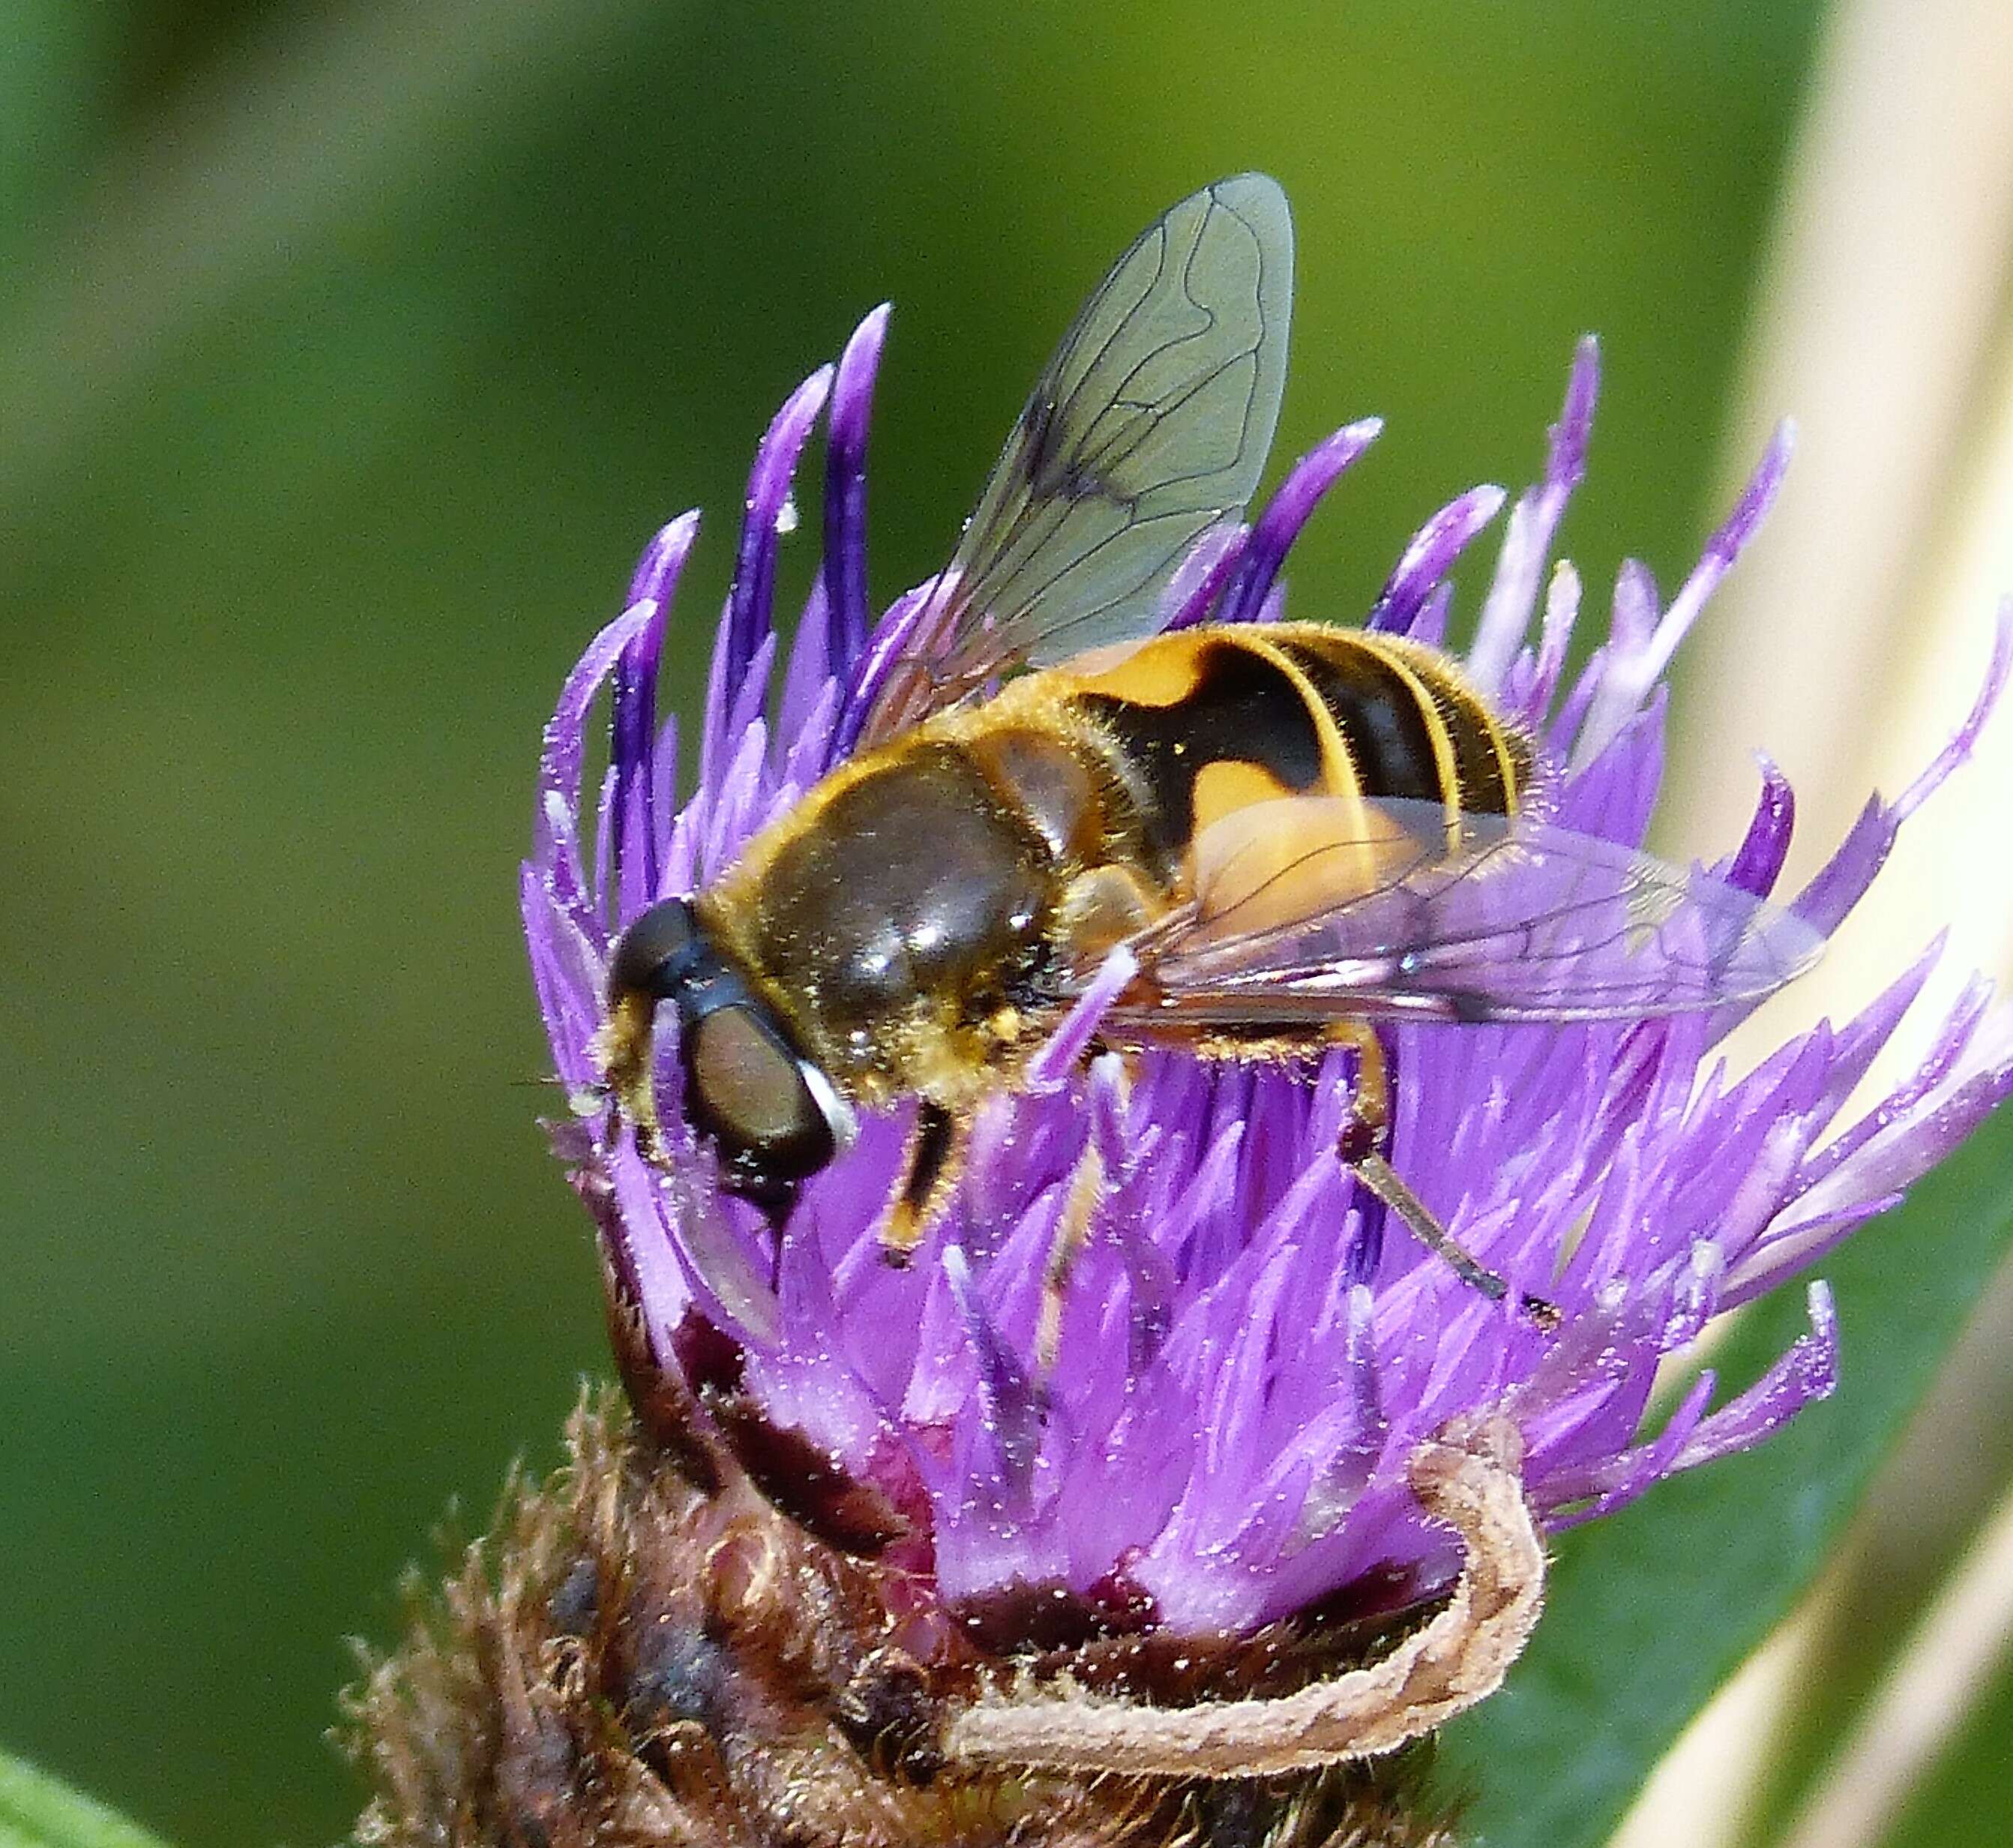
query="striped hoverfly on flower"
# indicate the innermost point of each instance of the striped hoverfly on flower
(1282, 834)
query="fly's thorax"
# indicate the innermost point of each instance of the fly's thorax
(900, 917)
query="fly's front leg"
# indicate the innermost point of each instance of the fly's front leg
(1362, 1146)
(622, 1050)
(930, 1172)
(777, 1206)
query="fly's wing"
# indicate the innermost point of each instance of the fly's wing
(1148, 426)
(1311, 908)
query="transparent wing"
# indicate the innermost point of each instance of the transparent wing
(1314, 908)
(1148, 426)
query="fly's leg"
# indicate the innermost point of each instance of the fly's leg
(1072, 1234)
(777, 1204)
(1366, 1136)
(930, 1172)
(622, 1052)
(1109, 1157)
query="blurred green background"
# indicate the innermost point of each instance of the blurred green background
(347, 354)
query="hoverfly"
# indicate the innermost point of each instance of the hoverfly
(1297, 831)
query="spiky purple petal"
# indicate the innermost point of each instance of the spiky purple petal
(750, 599)
(845, 577)
(1534, 521)
(1420, 573)
(1292, 502)
(1640, 663)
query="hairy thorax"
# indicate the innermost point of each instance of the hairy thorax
(900, 920)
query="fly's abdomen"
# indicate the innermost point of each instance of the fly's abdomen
(1412, 726)
(1206, 723)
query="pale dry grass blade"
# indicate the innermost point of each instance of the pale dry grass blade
(1949, 1662)
(1882, 326)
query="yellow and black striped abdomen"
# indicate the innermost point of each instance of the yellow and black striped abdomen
(1207, 721)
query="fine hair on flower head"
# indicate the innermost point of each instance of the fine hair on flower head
(1212, 1420)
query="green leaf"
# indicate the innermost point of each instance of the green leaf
(38, 1811)
(1650, 1610)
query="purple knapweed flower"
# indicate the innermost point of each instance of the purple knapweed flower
(1246, 1370)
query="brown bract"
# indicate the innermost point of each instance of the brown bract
(644, 1653)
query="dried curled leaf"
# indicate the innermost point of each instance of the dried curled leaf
(633, 1658)
(1469, 1480)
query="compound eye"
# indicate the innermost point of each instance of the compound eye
(653, 954)
(747, 1091)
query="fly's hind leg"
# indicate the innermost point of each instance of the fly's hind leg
(1108, 1094)
(1361, 1147)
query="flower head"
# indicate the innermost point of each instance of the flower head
(1221, 1432)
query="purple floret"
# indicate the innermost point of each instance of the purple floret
(1248, 1356)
